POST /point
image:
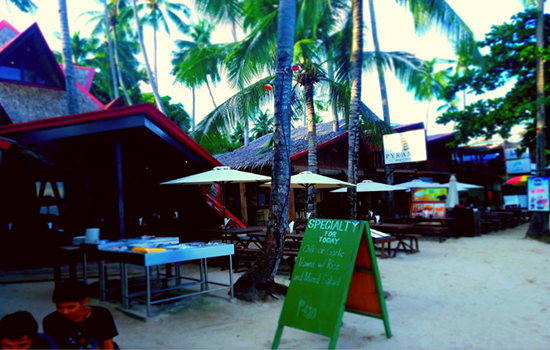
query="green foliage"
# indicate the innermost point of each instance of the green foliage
(263, 124)
(175, 112)
(512, 58)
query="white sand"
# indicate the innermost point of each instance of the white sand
(488, 292)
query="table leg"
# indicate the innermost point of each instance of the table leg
(231, 275)
(201, 272)
(101, 271)
(205, 274)
(85, 269)
(124, 282)
(399, 243)
(148, 287)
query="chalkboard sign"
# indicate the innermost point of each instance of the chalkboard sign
(322, 275)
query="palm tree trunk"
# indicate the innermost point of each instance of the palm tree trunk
(246, 133)
(384, 96)
(118, 67)
(193, 120)
(68, 65)
(257, 280)
(538, 225)
(147, 65)
(110, 47)
(334, 108)
(356, 62)
(155, 56)
(312, 148)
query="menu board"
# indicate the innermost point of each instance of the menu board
(537, 193)
(317, 294)
(429, 194)
(428, 210)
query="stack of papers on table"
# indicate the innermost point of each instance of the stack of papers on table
(377, 234)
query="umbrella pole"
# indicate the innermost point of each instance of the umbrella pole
(222, 186)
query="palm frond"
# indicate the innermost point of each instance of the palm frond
(254, 55)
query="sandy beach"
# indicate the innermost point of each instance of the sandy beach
(486, 292)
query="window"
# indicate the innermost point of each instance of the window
(24, 66)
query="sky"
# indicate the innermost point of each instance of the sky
(396, 33)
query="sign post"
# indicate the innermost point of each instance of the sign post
(335, 271)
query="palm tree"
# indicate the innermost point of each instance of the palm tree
(152, 81)
(193, 63)
(225, 11)
(353, 133)
(70, 76)
(110, 47)
(538, 225)
(263, 124)
(158, 11)
(119, 16)
(429, 84)
(261, 276)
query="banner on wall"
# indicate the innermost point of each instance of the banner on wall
(537, 193)
(518, 166)
(405, 147)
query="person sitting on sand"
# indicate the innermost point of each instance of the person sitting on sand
(20, 331)
(77, 326)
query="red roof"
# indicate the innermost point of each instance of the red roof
(150, 111)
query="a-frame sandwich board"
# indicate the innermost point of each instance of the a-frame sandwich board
(335, 271)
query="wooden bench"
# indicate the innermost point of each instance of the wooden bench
(432, 230)
(247, 255)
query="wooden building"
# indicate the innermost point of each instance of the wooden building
(61, 174)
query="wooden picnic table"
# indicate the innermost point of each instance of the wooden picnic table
(440, 226)
(402, 233)
(232, 234)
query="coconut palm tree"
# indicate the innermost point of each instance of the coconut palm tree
(119, 17)
(353, 126)
(152, 81)
(260, 277)
(157, 12)
(110, 47)
(429, 84)
(263, 124)
(193, 63)
(220, 12)
(68, 65)
(425, 13)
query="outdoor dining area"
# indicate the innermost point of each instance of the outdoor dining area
(157, 261)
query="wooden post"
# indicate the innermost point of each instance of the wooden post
(244, 204)
(291, 208)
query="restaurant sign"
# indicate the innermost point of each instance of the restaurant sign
(405, 147)
(537, 192)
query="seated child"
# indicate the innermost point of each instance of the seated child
(20, 331)
(75, 325)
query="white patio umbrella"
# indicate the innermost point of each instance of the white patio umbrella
(416, 183)
(307, 179)
(221, 175)
(372, 186)
(463, 187)
(452, 193)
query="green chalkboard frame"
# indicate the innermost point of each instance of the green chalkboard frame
(318, 291)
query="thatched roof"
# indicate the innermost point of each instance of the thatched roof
(7, 33)
(250, 158)
(24, 103)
